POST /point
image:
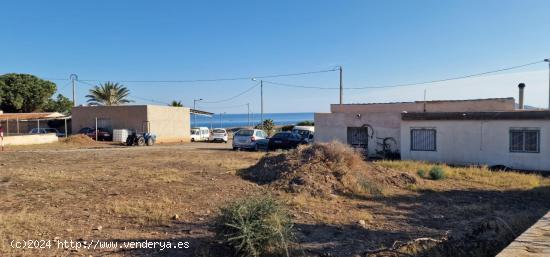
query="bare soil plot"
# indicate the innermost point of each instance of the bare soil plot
(173, 192)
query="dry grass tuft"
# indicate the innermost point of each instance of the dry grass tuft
(144, 212)
(473, 176)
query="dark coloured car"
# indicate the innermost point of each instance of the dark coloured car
(103, 134)
(285, 141)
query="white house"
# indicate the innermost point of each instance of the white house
(516, 139)
(367, 125)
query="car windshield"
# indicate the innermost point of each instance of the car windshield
(194, 132)
(218, 131)
(245, 133)
(303, 133)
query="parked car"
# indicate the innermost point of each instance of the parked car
(306, 132)
(103, 134)
(285, 141)
(46, 131)
(200, 134)
(218, 135)
(246, 139)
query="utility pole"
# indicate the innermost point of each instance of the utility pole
(341, 86)
(262, 103)
(74, 78)
(195, 109)
(248, 113)
(548, 61)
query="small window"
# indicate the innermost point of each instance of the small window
(525, 140)
(423, 140)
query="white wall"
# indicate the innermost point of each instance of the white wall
(30, 139)
(479, 142)
(385, 118)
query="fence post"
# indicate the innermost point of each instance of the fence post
(7, 127)
(17, 121)
(95, 128)
(65, 126)
(38, 122)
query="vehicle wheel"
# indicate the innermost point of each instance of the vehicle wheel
(141, 141)
(225, 142)
(150, 141)
(129, 141)
(235, 148)
(256, 148)
(192, 140)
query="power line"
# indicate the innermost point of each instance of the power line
(454, 78)
(233, 97)
(408, 84)
(206, 80)
(300, 86)
(226, 107)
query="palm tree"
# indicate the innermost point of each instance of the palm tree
(108, 93)
(176, 104)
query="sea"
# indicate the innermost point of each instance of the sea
(245, 120)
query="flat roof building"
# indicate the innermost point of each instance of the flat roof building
(515, 139)
(170, 124)
(373, 127)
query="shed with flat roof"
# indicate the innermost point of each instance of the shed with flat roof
(170, 124)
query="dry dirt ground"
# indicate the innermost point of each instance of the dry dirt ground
(172, 192)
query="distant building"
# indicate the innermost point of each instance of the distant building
(366, 126)
(170, 124)
(516, 139)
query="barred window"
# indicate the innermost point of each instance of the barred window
(525, 140)
(423, 140)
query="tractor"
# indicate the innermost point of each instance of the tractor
(139, 139)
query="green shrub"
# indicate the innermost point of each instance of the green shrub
(287, 128)
(437, 173)
(255, 226)
(305, 123)
(421, 173)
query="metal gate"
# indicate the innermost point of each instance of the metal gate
(358, 137)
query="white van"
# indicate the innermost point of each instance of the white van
(306, 132)
(199, 134)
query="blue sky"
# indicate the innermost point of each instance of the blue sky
(377, 42)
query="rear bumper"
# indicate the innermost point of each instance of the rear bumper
(245, 146)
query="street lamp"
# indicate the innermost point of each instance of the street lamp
(221, 121)
(195, 109)
(548, 61)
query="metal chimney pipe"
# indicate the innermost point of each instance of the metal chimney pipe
(521, 87)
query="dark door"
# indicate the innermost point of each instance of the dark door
(358, 137)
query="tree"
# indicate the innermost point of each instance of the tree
(61, 104)
(24, 92)
(268, 125)
(305, 123)
(176, 104)
(108, 93)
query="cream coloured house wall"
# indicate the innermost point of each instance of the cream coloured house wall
(385, 118)
(478, 142)
(170, 124)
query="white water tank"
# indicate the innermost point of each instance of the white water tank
(120, 135)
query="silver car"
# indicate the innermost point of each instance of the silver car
(246, 138)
